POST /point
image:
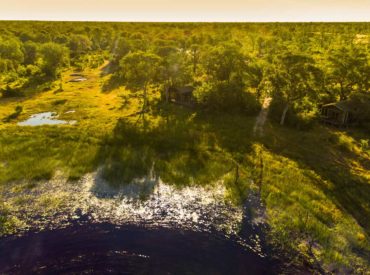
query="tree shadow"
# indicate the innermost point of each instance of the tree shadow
(113, 82)
(180, 146)
(113, 79)
(323, 152)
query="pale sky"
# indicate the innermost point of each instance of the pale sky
(186, 10)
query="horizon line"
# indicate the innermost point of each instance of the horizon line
(210, 22)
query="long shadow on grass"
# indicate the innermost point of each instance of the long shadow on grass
(321, 151)
(182, 149)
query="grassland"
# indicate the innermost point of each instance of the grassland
(315, 183)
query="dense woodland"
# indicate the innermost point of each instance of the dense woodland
(313, 179)
(232, 66)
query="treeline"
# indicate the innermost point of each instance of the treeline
(231, 66)
(35, 53)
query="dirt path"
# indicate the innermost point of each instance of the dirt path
(261, 119)
(107, 64)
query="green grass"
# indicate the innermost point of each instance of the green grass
(315, 183)
(37, 152)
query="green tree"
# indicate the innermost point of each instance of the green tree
(349, 71)
(254, 76)
(54, 57)
(223, 61)
(30, 52)
(120, 48)
(79, 44)
(140, 70)
(174, 71)
(11, 49)
(293, 78)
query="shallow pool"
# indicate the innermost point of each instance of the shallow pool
(46, 118)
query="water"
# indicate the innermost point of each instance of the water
(78, 79)
(47, 118)
(145, 227)
(70, 112)
(105, 248)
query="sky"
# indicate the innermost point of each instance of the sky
(187, 10)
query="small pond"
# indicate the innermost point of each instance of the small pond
(47, 118)
(78, 79)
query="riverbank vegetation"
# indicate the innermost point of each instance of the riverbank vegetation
(312, 178)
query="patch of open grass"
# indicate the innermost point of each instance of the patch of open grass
(37, 152)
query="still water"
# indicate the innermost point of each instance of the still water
(46, 118)
(145, 227)
(106, 248)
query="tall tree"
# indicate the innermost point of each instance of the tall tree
(140, 70)
(79, 44)
(349, 71)
(54, 57)
(294, 77)
(175, 71)
(224, 61)
(11, 49)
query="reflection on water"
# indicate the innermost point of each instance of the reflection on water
(144, 201)
(148, 201)
(105, 248)
(152, 202)
(47, 118)
(145, 226)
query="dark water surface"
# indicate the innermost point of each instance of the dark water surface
(105, 248)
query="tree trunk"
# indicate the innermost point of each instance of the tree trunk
(194, 66)
(195, 61)
(258, 92)
(342, 93)
(167, 95)
(145, 100)
(282, 120)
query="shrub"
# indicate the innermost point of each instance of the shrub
(59, 102)
(226, 97)
(11, 92)
(296, 117)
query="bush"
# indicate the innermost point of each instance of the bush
(226, 97)
(360, 105)
(364, 144)
(11, 92)
(59, 102)
(296, 118)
